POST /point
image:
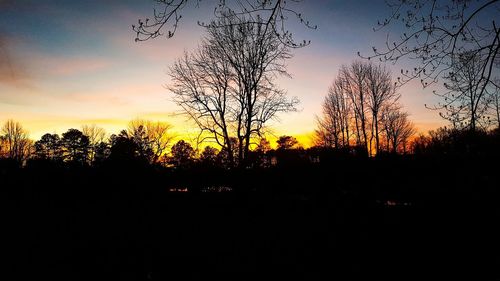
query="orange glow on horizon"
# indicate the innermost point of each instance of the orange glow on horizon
(181, 128)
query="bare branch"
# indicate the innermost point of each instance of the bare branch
(272, 13)
(436, 32)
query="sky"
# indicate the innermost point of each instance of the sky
(66, 63)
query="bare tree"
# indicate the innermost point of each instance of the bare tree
(16, 142)
(160, 135)
(256, 57)
(466, 101)
(3, 147)
(437, 31)
(495, 106)
(201, 83)
(96, 136)
(227, 86)
(152, 137)
(381, 93)
(272, 13)
(354, 77)
(333, 124)
(353, 106)
(398, 129)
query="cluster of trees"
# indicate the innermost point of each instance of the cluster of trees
(143, 140)
(457, 142)
(456, 41)
(361, 109)
(147, 143)
(14, 142)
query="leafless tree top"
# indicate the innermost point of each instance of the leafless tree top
(274, 13)
(435, 32)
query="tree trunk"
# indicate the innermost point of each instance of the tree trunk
(377, 139)
(358, 134)
(498, 111)
(229, 148)
(363, 130)
(346, 121)
(473, 115)
(240, 151)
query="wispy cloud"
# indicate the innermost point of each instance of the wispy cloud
(22, 66)
(12, 70)
(57, 66)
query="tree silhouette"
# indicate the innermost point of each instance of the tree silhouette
(209, 156)
(333, 125)
(49, 147)
(96, 136)
(445, 142)
(353, 106)
(495, 105)
(153, 138)
(466, 101)
(138, 134)
(227, 87)
(75, 146)
(397, 129)
(273, 13)
(420, 144)
(437, 32)
(264, 146)
(381, 93)
(124, 149)
(229, 158)
(102, 153)
(14, 142)
(182, 154)
(286, 142)
(260, 156)
(354, 77)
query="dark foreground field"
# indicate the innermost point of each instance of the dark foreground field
(376, 220)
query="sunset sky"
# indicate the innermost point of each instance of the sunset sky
(64, 64)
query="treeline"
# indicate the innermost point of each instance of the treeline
(146, 143)
(143, 142)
